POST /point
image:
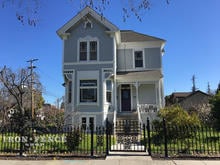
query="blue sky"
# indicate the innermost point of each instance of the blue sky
(191, 29)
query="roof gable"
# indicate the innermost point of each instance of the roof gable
(194, 94)
(62, 32)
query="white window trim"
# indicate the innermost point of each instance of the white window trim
(87, 75)
(88, 87)
(70, 76)
(143, 54)
(87, 120)
(106, 100)
(87, 39)
(88, 21)
(104, 79)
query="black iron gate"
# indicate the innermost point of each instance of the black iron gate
(127, 136)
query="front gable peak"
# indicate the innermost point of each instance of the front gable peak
(83, 14)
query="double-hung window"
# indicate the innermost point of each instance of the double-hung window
(109, 91)
(93, 50)
(138, 56)
(88, 50)
(88, 91)
(83, 51)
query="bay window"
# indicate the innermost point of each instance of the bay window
(109, 91)
(88, 91)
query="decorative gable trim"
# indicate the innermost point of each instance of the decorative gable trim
(88, 23)
(87, 10)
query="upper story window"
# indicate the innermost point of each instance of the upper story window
(88, 50)
(139, 61)
(93, 50)
(83, 51)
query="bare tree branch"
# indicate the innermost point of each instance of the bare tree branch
(26, 11)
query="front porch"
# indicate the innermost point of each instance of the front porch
(139, 93)
(140, 98)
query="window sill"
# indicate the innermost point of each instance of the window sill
(88, 103)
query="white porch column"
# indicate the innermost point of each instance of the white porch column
(137, 101)
(157, 93)
(137, 93)
(104, 99)
(162, 93)
(115, 99)
(115, 82)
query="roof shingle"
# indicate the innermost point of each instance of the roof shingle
(132, 36)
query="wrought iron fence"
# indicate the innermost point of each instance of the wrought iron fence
(73, 141)
(183, 141)
(160, 140)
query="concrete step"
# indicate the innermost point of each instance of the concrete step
(127, 116)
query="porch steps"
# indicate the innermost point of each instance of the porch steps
(127, 116)
(127, 124)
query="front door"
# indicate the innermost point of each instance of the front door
(125, 98)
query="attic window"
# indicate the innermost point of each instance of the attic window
(87, 24)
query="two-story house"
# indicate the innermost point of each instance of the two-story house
(108, 71)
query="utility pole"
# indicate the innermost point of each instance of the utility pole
(32, 67)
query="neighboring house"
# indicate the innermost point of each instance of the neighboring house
(196, 100)
(108, 71)
(176, 97)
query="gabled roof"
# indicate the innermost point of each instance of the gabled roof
(132, 36)
(180, 94)
(87, 10)
(194, 93)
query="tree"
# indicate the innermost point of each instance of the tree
(50, 117)
(218, 89)
(5, 104)
(209, 89)
(215, 111)
(18, 86)
(194, 83)
(27, 11)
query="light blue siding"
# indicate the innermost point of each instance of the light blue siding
(152, 58)
(98, 31)
(125, 59)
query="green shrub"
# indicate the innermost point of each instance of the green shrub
(177, 116)
(215, 111)
(73, 139)
(179, 124)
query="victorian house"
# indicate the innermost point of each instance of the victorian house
(108, 72)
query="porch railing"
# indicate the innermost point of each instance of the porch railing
(148, 108)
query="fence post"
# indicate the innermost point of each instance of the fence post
(148, 137)
(92, 139)
(165, 139)
(107, 136)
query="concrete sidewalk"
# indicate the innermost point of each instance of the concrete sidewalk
(112, 161)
